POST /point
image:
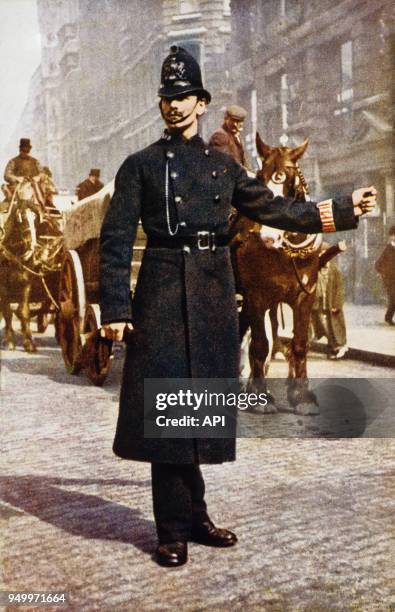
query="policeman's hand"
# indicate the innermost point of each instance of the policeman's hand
(364, 200)
(115, 331)
(37, 178)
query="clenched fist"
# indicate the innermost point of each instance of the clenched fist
(364, 200)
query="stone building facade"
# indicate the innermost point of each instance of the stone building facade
(93, 100)
(323, 69)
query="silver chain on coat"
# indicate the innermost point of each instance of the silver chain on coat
(171, 232)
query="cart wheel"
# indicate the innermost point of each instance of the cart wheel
(43, 320)
(56, 326)
(98, 364)
(70, 319)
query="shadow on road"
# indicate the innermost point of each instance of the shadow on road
(48, 362)
(80, 514)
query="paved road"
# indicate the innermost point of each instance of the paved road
(313, 515)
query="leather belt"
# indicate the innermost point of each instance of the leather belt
(203, 241)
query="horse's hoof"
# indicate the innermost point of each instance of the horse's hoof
(29, 347)
(10, 346)
(269, 408)
(307, 409)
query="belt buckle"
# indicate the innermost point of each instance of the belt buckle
(205, 238)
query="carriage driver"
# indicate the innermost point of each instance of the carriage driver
(183, 312)
(24, 166)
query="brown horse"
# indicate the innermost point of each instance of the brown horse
(30, 252)
(273, 267)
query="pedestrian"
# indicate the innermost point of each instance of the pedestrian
(228, 137)
(183, 311)
(89, 186)
(385, 266)
(327, 316)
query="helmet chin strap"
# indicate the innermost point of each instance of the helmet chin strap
(178, 120)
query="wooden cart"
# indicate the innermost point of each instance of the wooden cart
(78, 320)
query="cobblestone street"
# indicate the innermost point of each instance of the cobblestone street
(313, 516)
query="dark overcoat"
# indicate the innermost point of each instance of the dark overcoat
(225, 141)
(183, 311)
(329, 297)
(87, 188)
(385, 265)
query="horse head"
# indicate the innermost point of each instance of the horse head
(23, 217)
(280, 171)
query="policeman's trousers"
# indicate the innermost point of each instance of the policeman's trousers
(178, 500)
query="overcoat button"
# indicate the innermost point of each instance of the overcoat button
(207, 152)
(178, 199)
(169, 154)
(173, 175)
(214, 174)
(217, 198)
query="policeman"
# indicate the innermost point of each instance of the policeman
(227, 138)
(183, 313)
(90, 185)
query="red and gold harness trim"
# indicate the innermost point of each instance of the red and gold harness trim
(326, 214)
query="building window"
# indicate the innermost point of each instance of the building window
(346, 91)
(226, 7)
(193, 48)
(188, 6)
(284, 101)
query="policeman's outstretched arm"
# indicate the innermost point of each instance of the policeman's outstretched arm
(257, 202)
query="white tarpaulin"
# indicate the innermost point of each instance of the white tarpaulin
(83, 222)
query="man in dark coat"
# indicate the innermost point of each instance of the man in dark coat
(227, 138)
(21, 167)
(327, 316)
(385, 266)
(183, 312)
(89, 186)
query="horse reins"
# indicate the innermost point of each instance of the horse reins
(14, 258)
(306, 247)
(11, 257)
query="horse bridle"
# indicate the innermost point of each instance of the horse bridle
(298, 173)
(313, 241)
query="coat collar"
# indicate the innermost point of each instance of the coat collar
(178, 139)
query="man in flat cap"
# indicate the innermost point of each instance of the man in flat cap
(22, 167)
(183, 311)
(90, 185)
(227, 138)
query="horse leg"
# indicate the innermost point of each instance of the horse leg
(259, 353)
(9, 336)
(245, 339)
(23, 312)
(300, 396)
(278, 348)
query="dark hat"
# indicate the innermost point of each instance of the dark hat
(181, 75)
(236, 112)
(94, 172)
(25, 143)
(47, 171)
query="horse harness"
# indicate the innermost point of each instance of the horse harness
(284, 243)
(20, 260)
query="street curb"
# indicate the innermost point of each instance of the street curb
(353, 353)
